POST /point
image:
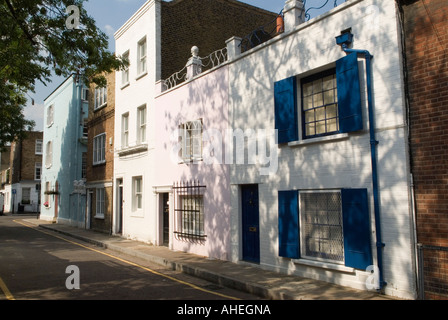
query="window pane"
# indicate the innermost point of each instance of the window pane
(328, 96)
(307, 102)
(318, 100)
(310, 129)
(307, 89)
(328, 82)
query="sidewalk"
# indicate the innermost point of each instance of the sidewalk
(243, 277)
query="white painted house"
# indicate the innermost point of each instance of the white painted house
(320, 212)
(134, 140)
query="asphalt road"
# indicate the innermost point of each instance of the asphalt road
(38, 265)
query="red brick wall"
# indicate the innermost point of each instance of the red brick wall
(426, 40)
(206, 24)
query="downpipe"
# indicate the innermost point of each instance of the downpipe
(373, 151)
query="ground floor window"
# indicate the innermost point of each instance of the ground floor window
(100, 203)
(325, 225)
(321, 225)
(189, 209)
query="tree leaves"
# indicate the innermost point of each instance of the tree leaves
(36, 41)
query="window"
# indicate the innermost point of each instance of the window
(99, 149)
(85, 94)
(192, 215)
(125, 72)
(189, 210)
(100, 97)
(84, 165)
(321, 226)
(141, 57)
(26, 196)
(191, 133)
(330, 103)
(100, 203)
(137, 193)
(141, 124)
(320, 105)
(125, 130)
(49, 154)
(37, 170)
(47, 195)
(327, 225)
(38, 149)
(50, 115)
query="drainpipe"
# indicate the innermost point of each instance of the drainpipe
(345, 40)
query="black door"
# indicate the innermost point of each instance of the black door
(166, 219)
(250, 219)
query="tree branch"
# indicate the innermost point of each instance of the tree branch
(25, 31)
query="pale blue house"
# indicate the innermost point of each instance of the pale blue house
(64, 153)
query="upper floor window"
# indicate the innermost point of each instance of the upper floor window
(85, 94)
(50, 115)
(99, 149)
(37, 170)
(330, 103)
(125, 130)
(125, 72)
(191, 133)
(49, 154)
(141, 57)
(38, 149)
(320, 104)
(141, 124)
(100, 97)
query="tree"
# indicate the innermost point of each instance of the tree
(41, 36)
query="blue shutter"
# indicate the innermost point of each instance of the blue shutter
(349, 94)
(288, 224)
(285, 96)
(356, 219)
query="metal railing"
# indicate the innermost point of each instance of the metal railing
(307, 14)
(211, 61)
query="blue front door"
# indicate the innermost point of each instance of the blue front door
(250, 219)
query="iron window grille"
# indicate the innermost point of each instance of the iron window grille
(321, 224)
(189, 210)
(320, 104)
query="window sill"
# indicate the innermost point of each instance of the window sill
(324, 265)
(134, 149)
(141, 75)
(100, 107)
(124, 85)
(335, 137)
(99, 216)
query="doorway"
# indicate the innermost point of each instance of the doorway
(165, 219)
(250, 223)
(119, 217)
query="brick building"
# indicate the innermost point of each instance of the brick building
(100, 156)
(206, 24)
(21, 175)
(425, 25)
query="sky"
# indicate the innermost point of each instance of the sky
(110, 15)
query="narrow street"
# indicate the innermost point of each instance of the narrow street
(38, 265)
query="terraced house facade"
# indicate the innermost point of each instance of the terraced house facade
(300, 152)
